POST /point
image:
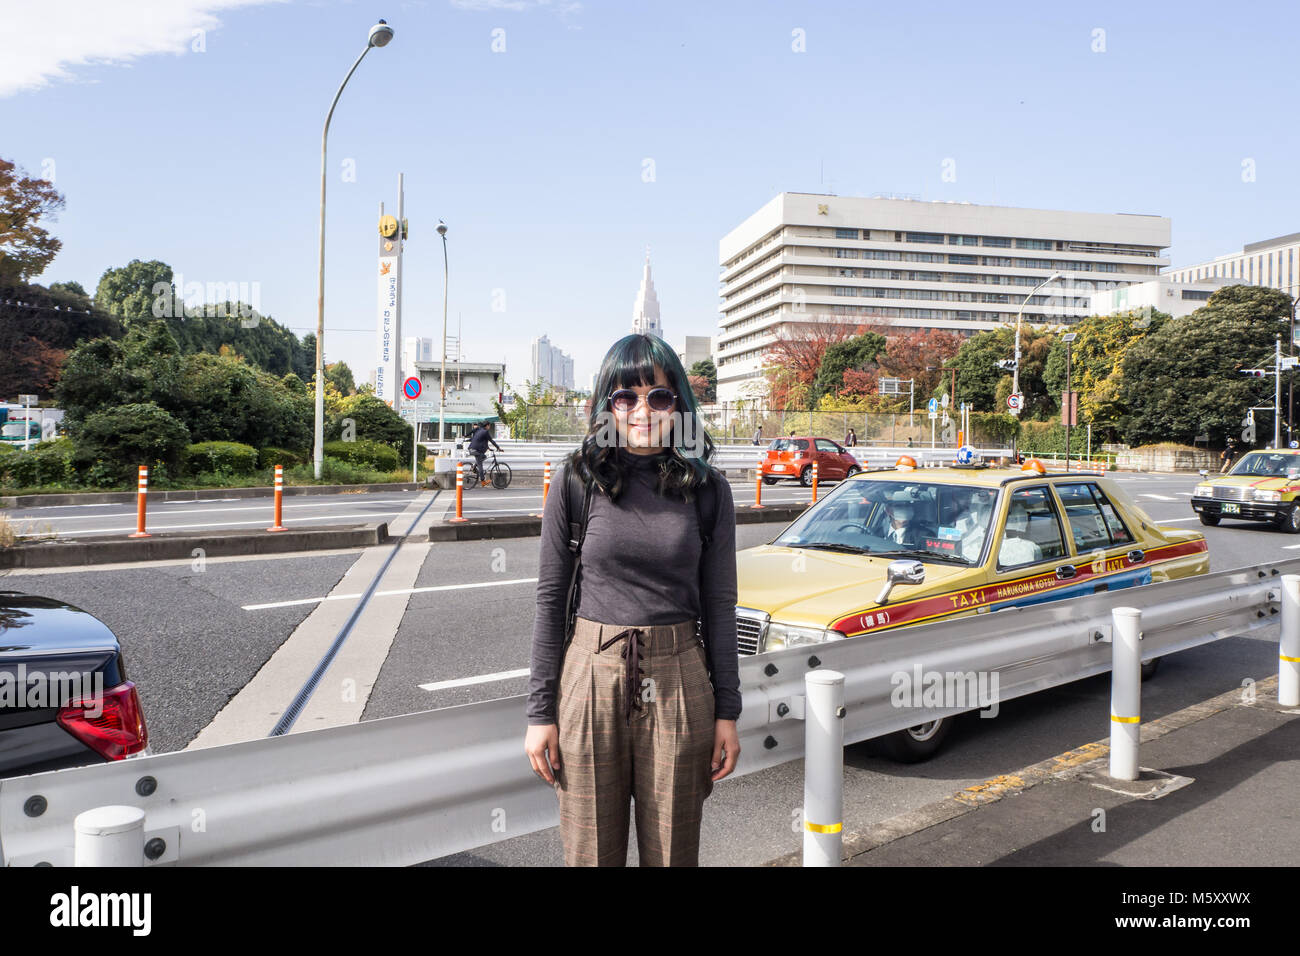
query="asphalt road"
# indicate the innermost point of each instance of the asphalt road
(193, 636)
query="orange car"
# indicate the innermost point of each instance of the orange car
(793, 457)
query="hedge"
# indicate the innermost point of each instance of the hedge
(48, 463)
(231, 457)
(374, 454)
(270, 457)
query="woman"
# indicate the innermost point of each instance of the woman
(851, 438)
(627, 712)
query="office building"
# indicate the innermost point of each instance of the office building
(1272, 262)
(645, 310)
(551, 365)
(1162, 293)
(807, 258)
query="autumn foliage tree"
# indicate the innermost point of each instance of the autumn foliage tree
(26, 247)
(792, 362)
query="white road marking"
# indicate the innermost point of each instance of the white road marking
(1157, 497)
(481, 679)
(1290, 547)
(398, 592)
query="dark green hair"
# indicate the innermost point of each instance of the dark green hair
(630, 362)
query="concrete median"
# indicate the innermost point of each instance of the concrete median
(169, 546)
(525, 526)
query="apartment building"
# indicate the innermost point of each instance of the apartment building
(1271, 262)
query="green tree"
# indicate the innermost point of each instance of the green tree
(858, 353)
(112, 442)
(1185, 377)
(341, 376)
(130, 292)
(26, 247)
(75, 288)
(143, 367)
(373, 420)
(980, 381)
(706, 370)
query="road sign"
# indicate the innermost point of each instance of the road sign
(411, 388)
(932, 406)
(1290, 361)
(28, 399)
(1014, 401)
(965, 455)
(944, 400)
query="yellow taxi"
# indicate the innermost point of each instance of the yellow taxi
(894, 547)
(1262, 486)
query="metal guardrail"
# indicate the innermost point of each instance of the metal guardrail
(529, 456)
(402, 790)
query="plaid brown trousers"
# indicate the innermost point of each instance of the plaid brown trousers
(634, 713)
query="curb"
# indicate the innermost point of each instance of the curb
(527, 526)
(164, 546)
(196, 494)
(1065, 766)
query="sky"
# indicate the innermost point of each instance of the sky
(559, 139)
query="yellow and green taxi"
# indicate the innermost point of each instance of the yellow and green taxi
(1262, 486)
(894, 547)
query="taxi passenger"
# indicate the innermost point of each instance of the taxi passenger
(1015, 548)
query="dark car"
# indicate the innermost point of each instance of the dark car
(65, 700)
(793, 457)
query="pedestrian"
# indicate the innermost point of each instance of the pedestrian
(851, 438)
(758, 435)
(909, 441)
(628, 704)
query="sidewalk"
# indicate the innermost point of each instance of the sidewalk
(1218, 788)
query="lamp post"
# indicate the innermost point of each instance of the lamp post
(380, 34)
(1015, 372)
(1068, 338)
(442, 391)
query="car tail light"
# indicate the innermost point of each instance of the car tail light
(114, 730)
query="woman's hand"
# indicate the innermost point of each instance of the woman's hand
(541, 740)
(726, 748)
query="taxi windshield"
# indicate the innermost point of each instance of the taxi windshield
(1265, 463)
(898, 518)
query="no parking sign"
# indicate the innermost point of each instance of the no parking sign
(411, 388)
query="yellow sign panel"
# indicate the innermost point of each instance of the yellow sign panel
(387, 226)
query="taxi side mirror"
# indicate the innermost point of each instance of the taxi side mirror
(1292, 474)
(901, 572)
(1204, 472)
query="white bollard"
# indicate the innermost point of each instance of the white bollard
(1288, 664)
(823, 768)
(1125, 692)
(109, 836)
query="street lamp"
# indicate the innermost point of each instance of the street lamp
(1015, 372)
(442, 394)
(380, 34)
(1068, 338)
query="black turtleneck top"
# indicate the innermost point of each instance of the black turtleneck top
(640, 565)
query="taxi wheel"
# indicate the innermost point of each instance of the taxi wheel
(1149, 669)
(1290, 523)
(917, 743)
(769, 480)
(805, 477)
(1210, 520)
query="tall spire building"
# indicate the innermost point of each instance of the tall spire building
(645, 313)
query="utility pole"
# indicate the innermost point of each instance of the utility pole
(1277, 396)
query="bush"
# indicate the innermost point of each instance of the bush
(111, 443)
(49, 463)
(334, 471)
(374, 454)
(270, 457)
(230, 457)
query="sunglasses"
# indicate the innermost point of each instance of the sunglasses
(659, 399)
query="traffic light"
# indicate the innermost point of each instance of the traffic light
(1255, 372)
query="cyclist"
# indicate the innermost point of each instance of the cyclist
(478, 444)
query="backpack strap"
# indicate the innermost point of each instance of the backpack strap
(573, 487)
(706, 511)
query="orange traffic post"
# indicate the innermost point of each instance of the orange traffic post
(139, 505)
(814, 482)
(546, 488)
(279, 499)
(460, 493)
(758, 485)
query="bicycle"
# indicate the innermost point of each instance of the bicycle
(497, 473)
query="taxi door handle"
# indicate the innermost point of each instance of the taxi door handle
(1065, 571)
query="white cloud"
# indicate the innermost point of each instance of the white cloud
(560, 7)
(48, 41)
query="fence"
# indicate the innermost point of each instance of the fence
(402, 790)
